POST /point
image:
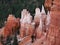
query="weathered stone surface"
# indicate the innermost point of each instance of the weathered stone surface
(11, 25)
(37, 16)
(53, 37)
(25, 40)
(56, 2)
(48, 4)
(30, 33)
(53, 33)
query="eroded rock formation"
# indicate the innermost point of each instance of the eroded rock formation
(53, 37)
(43, 30)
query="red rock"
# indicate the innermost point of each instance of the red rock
(37, 16)
(25, 40)
(48, 4)
(53, 37)
(1, 43)
(56, 2)
(53, 32)
(11, 24)
(22, 30)
(29, 30)
(39, 33)
(26, 30)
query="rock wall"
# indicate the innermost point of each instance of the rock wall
(53, 36)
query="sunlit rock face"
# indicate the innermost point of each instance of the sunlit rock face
(22, 30)
(56, 2)
(24, 13)
(39, 33)
(43, 30)
(37, 16)
(11, 25)
(53, 37)
(43, 22)
(43, 18)
(25, 16)
(48, 20)
(30, 30)
(8, 26)
(53, 33)
(48, 4)
(25, 23)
